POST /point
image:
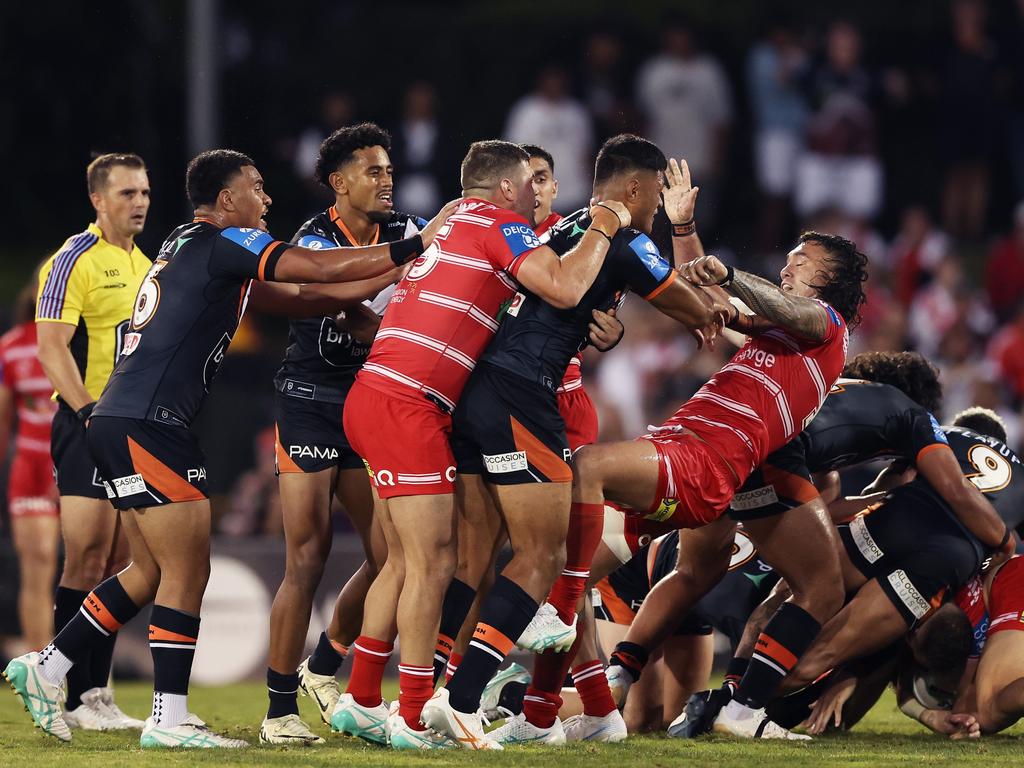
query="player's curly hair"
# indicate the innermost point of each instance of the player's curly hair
(337, 149)
(909, 372)
(843, 285)
(209, 172)
(984, 421)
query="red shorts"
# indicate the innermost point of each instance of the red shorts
(31, 490)
(626, 533)
(580, 417)
(403, 443)
(695, 485)
(1006, 598)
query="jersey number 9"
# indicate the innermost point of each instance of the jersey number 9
(994, 471)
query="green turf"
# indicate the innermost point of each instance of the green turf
(885, 738)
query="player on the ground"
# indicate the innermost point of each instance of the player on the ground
(314, 460)
(881, 406)
(86, 293)
(185, 315)
(25, 396)
(509, 432)
(903, 554)
(398, 415)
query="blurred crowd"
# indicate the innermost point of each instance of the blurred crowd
(918, 159)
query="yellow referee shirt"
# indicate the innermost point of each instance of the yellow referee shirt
(92, 284)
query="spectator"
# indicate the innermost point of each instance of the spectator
(774, 69)
(684, 96)
(1007, 354)
(1004, 270)
(416, 153)
(840, 168)
(336, 109)
(605, 87)
(969, 121)
(552, 119)
(915, 253)
(945, 303)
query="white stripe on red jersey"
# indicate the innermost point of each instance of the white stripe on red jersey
(22, 373)
(766, 394)
(445, 311)
(573, 378)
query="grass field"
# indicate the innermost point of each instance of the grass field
(885, 738)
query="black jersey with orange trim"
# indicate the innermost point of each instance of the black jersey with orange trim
(537, 341)
(187, 310)
(991, 466)
(319, 354)
(859, 421)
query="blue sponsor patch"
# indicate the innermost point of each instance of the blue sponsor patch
(940, 436)
(650, 256)
(315, 242)
(420, 223)
(520, 238)
(253, 240)
(833, 314)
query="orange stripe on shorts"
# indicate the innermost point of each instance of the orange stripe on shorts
(160, 476)
(539, 455)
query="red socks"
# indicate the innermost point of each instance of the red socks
(415, 686)
(370, 658)
(592, 686)
(586, 524)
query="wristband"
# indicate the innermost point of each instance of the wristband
(729, 274)
(406, 250)
(684, 229)
(85, 412)
(913, 708)
(1006, 539)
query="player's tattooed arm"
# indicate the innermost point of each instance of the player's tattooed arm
(803, 316)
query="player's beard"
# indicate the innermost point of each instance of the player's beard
(379, 217)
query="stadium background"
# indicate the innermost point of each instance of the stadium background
(902, 129)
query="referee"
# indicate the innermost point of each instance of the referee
(86, 295)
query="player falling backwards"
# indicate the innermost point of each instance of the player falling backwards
(186, 313)
(687, 471)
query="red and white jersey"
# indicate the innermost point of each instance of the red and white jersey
(552, 219)
(765, 395)
(970, 599)
(444, 312)
(573, 378)
(21, 372)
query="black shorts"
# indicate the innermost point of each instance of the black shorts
(783, 482)
(914, 548)
(73, 467)
(508, 429)
(310, 436)
(145, 463)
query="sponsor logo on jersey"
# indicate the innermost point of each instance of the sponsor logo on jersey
(312, 452)
(650, 256)
(315, 243)
(908, 594)
(515, 304)
(128, 485)
(197, 475)
(666, 508)
(214, 360)
(760, 358)
(502, 463)
(131, 343)
(759, 497)
(864, 541)
(253, 240)
(940, 436)
(520, 238)
(833, 314)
